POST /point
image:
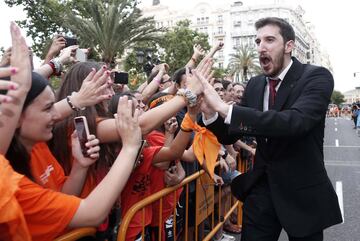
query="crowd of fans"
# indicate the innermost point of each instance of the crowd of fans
(52, 186)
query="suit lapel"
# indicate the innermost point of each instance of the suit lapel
(288, 84)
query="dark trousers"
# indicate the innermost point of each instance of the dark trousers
(260, 222)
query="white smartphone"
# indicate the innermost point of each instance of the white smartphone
(82, 130)
(80, 55)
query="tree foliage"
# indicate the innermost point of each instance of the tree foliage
(244, 62)
(178, 42)
(337, 97)
(108, 26)
(111, 27)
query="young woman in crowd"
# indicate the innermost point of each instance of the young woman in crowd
(141, 182)
(48, 213)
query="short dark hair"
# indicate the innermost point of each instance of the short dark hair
(286, 30)
(177, 75)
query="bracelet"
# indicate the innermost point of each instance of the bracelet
(158, 81)
(51, 64)
(57, 65)
(72, 106)
(185, 130)
(188, 95)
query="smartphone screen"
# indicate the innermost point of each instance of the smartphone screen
(70, 41)
(82, 131)
(80, 55)
(121, 78)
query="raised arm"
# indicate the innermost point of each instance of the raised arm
(90, 93)
(18, 89)
(93, 210)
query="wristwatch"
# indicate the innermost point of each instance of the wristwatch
(188, 95)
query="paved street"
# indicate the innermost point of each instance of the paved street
(342, 160)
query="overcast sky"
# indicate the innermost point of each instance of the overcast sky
(336, 27)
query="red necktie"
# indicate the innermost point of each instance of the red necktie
(272, 91)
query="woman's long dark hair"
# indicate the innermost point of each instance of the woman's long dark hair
(17, 154)
(60, 145)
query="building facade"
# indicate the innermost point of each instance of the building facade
(232, 22)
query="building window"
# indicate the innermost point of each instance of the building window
(220, 18)
(220, 30)
(207, 19)
(221, 65)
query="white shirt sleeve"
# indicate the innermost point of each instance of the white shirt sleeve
(228, 116)
(210, 120)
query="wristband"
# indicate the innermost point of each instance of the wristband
(72, 106)
(57, 65)
(158, 81)
(188, 95)
(185, 130)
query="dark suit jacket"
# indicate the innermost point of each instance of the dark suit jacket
(289, 147)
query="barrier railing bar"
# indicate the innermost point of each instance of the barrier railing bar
(218, 226)
(154, 197)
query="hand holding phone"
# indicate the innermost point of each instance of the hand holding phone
(82, 130)
(70, 41)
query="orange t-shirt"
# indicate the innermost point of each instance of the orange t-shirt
(137, 188)
(13, 226)
(47, 213)
(157, 184)
(45, 169)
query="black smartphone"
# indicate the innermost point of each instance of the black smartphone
(70, 41)
(121, 78)
(138, 155)
(172, 167)
(82, 130)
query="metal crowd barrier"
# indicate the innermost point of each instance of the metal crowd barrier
(202, 199)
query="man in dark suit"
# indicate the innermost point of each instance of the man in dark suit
(285, 109)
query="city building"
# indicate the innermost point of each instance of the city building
(233, 23)
(352, 96)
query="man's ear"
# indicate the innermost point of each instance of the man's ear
(289, 46)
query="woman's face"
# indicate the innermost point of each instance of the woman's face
(37, 121)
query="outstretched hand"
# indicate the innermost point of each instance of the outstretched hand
(93, 88)
(127, 123)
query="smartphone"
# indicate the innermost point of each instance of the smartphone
(138, 155)
(80, 55)
(70, 41)
(121, 78)
(172, 167)
(82, 130)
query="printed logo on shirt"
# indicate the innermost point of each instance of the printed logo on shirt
(141, 184)
(45, 176)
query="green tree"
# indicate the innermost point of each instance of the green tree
(244, 62)
(44, 19)
(220, 73)
(97, 24)
(337, 97)
(111, 27)
(178, 42)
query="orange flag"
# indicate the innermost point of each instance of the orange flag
(12, 222)
(206, 146)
